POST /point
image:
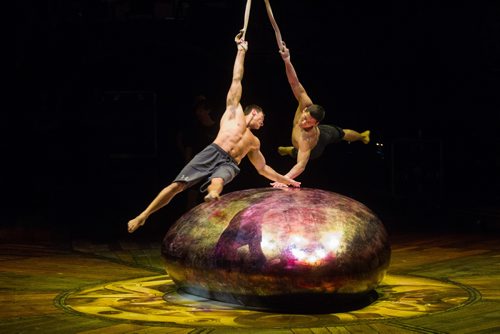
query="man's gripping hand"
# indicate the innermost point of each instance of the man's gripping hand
(284, 51)
(242, 44)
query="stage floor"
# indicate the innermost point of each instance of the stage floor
(435, 284)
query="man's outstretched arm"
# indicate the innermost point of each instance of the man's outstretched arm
(298, 90)
(300, 165)
(297, 169)
(257, 159)
(234, 93)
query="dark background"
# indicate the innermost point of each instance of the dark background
(103, 86)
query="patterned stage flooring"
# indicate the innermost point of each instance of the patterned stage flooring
(435, 284)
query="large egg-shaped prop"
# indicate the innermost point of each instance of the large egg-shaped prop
(278, 248)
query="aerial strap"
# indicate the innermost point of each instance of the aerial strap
(245, 22)
(274, 24)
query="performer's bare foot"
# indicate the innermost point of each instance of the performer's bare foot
(212, 196)
(285, 150)
(365, 136)
(135, 223)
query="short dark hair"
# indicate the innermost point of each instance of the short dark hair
(249, 108)
(317, 112)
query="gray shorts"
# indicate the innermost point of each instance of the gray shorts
(212, 162)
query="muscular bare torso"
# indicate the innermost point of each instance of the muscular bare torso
(304, 139)
(234, 137)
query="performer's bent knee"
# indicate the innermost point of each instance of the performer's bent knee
(217, 180)
(179, 186)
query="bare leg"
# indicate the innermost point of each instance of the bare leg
(214, 189)
(351, 135)
(162, 199)
(285, 150)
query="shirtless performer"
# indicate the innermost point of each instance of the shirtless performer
(309, 138)
(218, 163)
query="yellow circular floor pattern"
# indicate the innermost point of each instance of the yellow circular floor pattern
(154, 301)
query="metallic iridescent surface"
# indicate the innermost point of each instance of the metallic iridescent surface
(276, 247)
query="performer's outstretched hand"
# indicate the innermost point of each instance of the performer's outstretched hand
(278, 185)
(242, 44)
(284, 51)
(294, 184)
